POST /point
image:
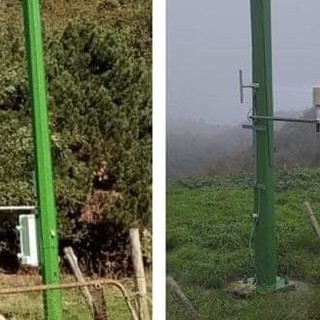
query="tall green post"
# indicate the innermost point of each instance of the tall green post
(265, 244)
(45, 190)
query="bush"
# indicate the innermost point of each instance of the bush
(100, 115)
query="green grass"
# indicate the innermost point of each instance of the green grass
(29, 306)
(209, 222)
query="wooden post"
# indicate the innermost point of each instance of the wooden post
(180, 296)
(139, 273)
(313, 220)
(95, 311)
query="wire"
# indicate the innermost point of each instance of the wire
(251, 239)
(256, 219)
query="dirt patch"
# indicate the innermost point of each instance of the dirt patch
(241, 289)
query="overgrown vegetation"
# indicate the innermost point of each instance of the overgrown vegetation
(209, 223)
(99, 94)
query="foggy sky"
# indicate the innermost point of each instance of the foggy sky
(210, 40)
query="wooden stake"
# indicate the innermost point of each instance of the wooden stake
(313, 219)
(95, 311)
(139, 273)
(180, 296)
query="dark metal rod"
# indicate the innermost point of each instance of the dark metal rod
(314, 121)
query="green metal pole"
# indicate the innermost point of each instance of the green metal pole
(45, 189)
(265, 244)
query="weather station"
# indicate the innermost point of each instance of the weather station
(261, 119)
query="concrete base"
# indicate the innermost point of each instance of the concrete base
(248, 287)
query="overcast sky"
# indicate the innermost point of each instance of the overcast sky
(210, 40)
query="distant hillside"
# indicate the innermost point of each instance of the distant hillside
(193, 146)
(197, 148)
(286, 114)
(296, 145)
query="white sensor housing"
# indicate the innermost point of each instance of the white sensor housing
(28, 240)
(316, 96)
(316, 101)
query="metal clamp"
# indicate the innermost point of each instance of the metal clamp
(259, 186)
(244, 86)
(253, 127)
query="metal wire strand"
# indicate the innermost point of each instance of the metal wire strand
(251, 240)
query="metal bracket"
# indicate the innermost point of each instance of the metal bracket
(253, 127)
(245, 86)
(249, 286)
(299, 120)
(260, 186)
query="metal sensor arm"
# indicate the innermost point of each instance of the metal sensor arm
(245, 86)
(312, 121)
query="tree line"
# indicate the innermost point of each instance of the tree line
(199, 149)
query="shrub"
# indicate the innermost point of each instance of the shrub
(100, 115)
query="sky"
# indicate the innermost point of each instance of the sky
(208, 41)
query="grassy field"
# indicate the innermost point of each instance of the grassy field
(30, 306)
(209, 222)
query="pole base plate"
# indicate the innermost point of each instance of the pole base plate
(248, 286)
